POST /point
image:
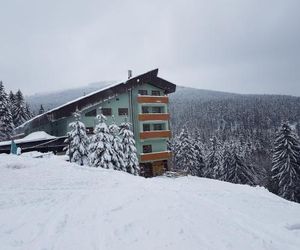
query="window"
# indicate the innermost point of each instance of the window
(143, 92)
(89, 130)
(123, 111)
(147, 148)
(91, 113)
(156, 92)
(145, 110)
(157, 110)
(106, 111)
(157, 126)
(146, 127)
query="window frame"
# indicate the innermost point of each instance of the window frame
(143, 92)
(146, 124)
(145, 107)
(155, 92)
(94, 115)
(158, 124)
(145, 151)
(89, 130)
(107, 109)
(123, 113)
(157, 107)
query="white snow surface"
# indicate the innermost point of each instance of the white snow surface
(48, 203)
(35, 136)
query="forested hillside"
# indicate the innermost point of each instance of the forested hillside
(230, 132)
(54, 99)
(231, 114)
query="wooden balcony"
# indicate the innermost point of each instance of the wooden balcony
(152, 99)
(154, 117)
(156, 156)
(155, 134)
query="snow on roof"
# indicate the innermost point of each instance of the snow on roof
(70, 102)
(85, 96)
(35, 136)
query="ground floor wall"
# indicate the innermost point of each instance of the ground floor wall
(152, 169)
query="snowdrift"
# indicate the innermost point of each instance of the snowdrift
(52, 204)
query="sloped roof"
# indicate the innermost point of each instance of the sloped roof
(102, 94)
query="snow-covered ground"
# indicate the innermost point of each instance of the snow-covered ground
(51, 204)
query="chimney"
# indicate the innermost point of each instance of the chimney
(129, 73)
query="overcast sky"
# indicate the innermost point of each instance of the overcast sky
(244, 46)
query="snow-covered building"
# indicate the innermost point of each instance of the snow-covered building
(143, 100)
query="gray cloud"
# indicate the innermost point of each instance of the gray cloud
(239, 46)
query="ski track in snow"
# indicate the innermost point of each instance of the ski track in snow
(49, 204)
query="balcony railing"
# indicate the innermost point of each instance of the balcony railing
(156, 156)
(152, 99)
(155, 134)
(154, 117)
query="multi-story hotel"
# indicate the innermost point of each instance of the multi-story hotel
(142, 99)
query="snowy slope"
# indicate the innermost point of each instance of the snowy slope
(52, 204)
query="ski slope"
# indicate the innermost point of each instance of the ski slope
(48, 203)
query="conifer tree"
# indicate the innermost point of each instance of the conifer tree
(6, 121)
(28, 112)
(41, 110)
(285, 173)
(117, 147)
(226, 163)
(198, 168)
(213, 160)
(11, 98)
(129, 149)
(185, 156)
(19, 109)
(77, 141)
(235, 169)
(101, 145)
(173, 146)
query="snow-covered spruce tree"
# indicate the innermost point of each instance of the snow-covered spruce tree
(185, 156)
(19, 109)
(213, 160)
(11, 98)
(226, 162)
(199, 167)
(117, 147)
(28, 112)
(234, 168)
(77, 141)
(129, 149)
(173, 145)
(101, 145)
(285, 173)
(6, 120)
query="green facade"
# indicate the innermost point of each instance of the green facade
(126, 100)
